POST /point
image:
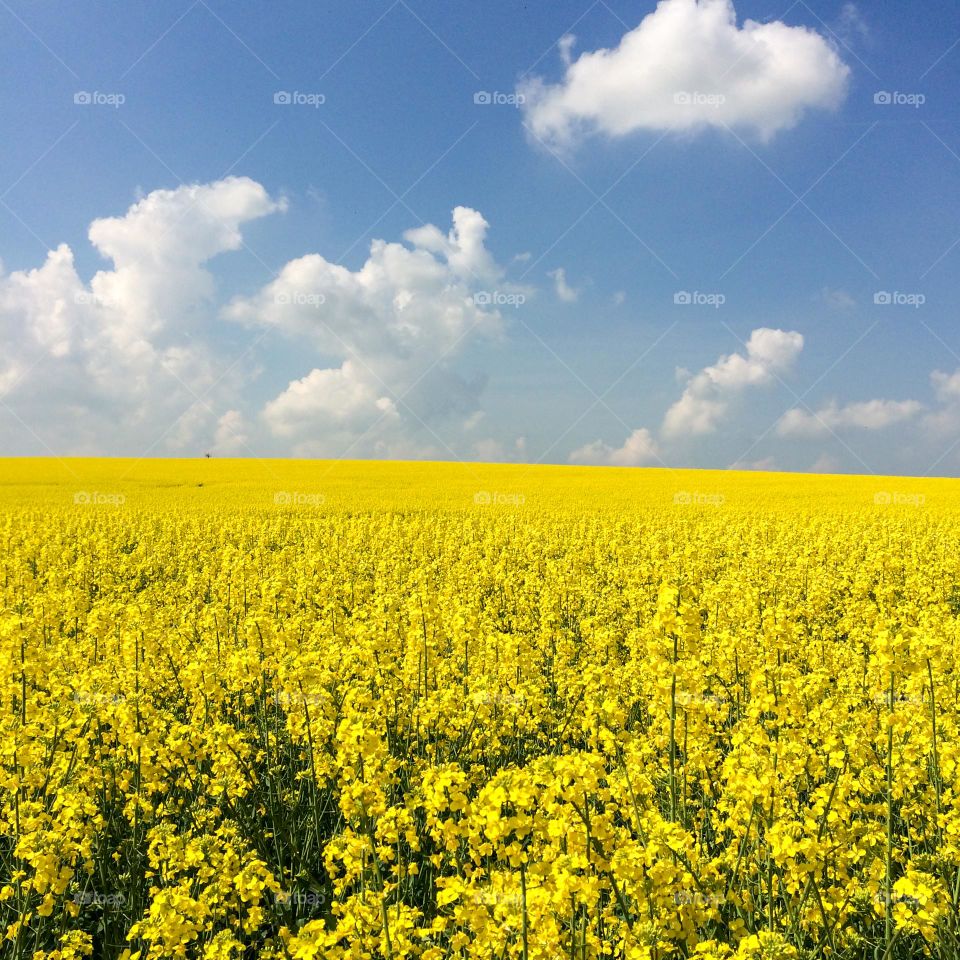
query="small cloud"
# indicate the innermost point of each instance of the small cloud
(488, 450)
(619, 298)
(564, 291)
(825, 464)
(706, 397)
(850, 25)
(638, 449)
(837, 299)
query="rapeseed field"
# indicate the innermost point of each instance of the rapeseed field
(272, 709)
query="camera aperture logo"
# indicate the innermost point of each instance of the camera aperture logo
(498, 298)
(300, 899)
(886, 298)
(300, 298)
(695, 298)
(685, 498)
(698, 98)
(894, 98)
(96, 98)
(485, 498)
(97, 498)
(93, 898)
(298, 98)
(896, 498)
(294, 498)
(494, 98)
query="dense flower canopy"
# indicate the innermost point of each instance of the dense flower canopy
(356, 710)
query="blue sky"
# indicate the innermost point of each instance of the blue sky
(732, 239)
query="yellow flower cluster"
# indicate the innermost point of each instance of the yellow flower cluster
(356, 711)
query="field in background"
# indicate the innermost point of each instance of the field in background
(286, 709)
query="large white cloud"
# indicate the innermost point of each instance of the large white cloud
(688, 66)
(393, 326)
(707, 396)
(119, 363)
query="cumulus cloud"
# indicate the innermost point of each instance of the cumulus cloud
(639, 449)
(705, 400)
(866, 415)
(686, 67)
(125, 358)
(707, 396)
(133, 361)
(341, 395)
(394, 324)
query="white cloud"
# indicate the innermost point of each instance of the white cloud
(124, 359)
(850, 24)
(394, 324)
(837, 299)
(944, 421)
(639, 449)
(946, 385)
(231, 435)
(706, 398)
(825, 463)
(688, 66)
(866, 415)
(561, 287)
(341, 396)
